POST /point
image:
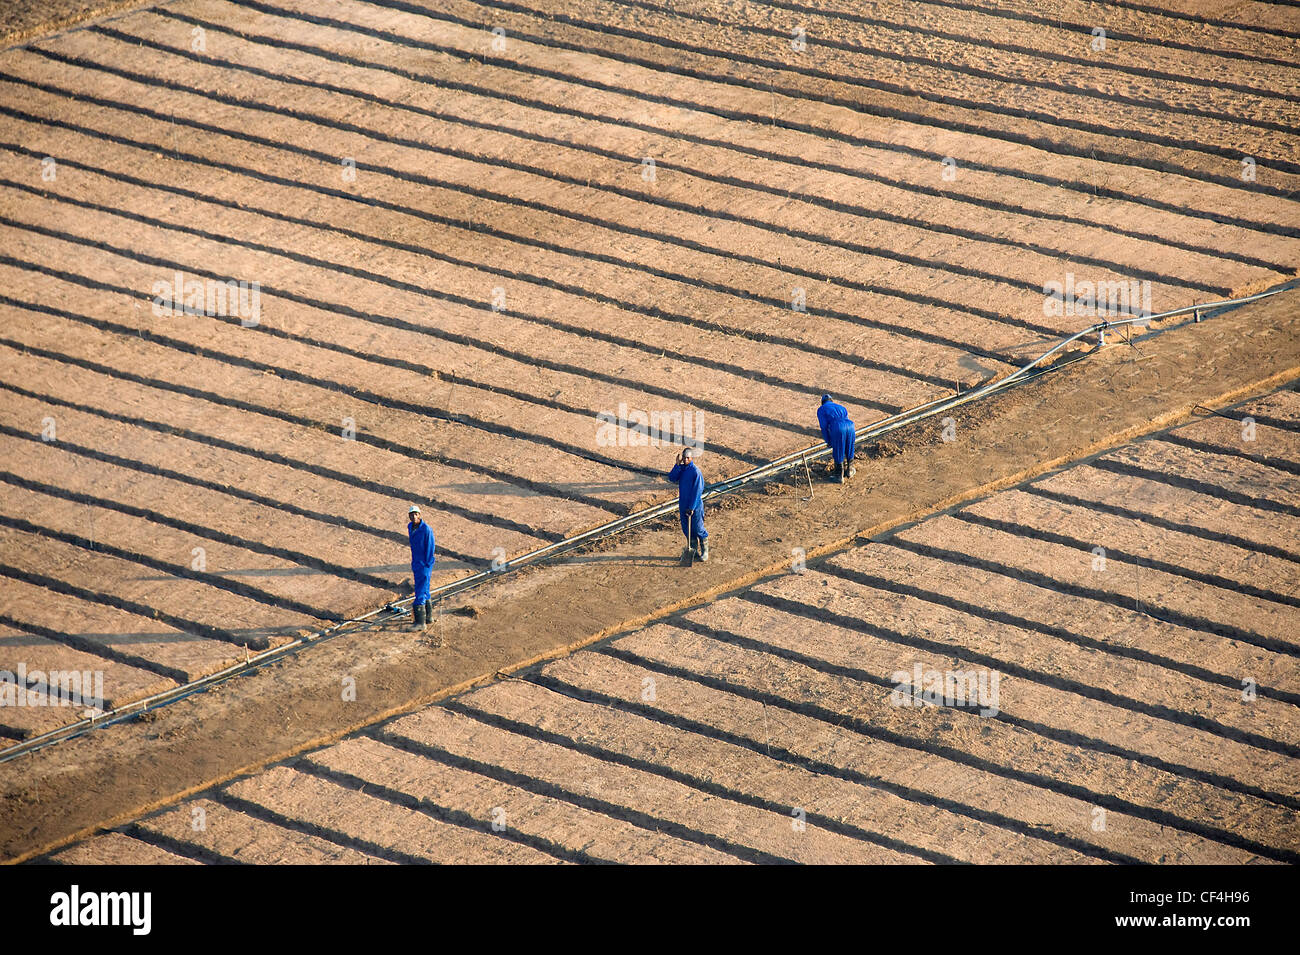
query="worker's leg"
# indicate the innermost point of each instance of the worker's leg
(848, 446)
(420, 606)
(837, 449)
(701, 536)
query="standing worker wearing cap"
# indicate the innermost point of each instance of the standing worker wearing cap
(421, 537)
(838, 433)
(688, 477)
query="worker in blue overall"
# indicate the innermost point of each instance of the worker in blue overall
(688, 477)
(838, 433)
(422, 558)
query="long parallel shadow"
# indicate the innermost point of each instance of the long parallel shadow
(1286, 424)
(655, 312)
(319, 831)
(1051, 681)
(1238, 451)
(870, 730)
(1193, 484)
(233, 490)
(1170, 42)
(303, 421)
(1029, 532)
(464, 706)
(448, 415)
(423, 805)
(712, 212)
(1155, 520)
(370, 397)
(1218, 22)
(173, 845)
(859, 49)
(1178, 618)
(451, 417)
(1056, 146)
(256, 639)
(86, 643)
(1087, 188)
(306, 562)
(468, 341)
(782, 754)
(1090, 189)
(1052, 56)
(172, 570)
(340, 126)
(426, 806)
(549, 790)
(1005, 617)
(786, 159)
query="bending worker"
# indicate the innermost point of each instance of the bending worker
(837, 431)
(688, 477)
(421, 537)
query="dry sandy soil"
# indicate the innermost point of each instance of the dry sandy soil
(1125, 630)
(469, 243)
(114, 775)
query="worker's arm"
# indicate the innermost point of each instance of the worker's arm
(693, 487)
(422, 546)
(679, 466)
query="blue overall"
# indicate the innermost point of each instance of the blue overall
(837, 430)
(690, 497)
(422, 559)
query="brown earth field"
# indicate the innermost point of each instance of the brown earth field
(1118, 639)
(272, 271)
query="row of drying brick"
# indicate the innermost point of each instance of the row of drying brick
(700, 46)
(525, 73)
(766, 727)
(1035, 302)
(679, 189)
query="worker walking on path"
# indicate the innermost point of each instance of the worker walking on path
(837, 431)
(422, 558)
(688, 477)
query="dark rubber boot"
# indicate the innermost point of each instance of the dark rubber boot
(416, 615)
(426, 616)
(704, 548)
